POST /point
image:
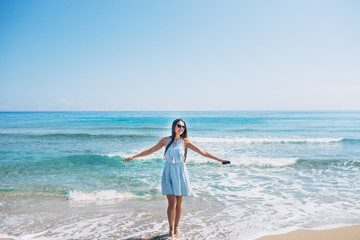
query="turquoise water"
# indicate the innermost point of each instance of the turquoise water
(302, 168)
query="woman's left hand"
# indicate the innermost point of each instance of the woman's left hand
(223, 161)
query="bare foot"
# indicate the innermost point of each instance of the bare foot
(177, 233)
(171, 236)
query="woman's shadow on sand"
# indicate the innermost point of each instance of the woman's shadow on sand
(160, 237)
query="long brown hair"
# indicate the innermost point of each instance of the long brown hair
(173, 134)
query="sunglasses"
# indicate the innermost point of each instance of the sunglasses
(180, 126)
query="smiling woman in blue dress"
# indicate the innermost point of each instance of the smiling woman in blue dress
(175, 179)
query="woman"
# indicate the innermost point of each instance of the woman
(175, 180)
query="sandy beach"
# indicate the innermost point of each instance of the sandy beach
(344, 233)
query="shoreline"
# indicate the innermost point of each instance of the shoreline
(339, 233)
(69, 219)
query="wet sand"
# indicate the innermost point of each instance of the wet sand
(344, 233)
(59, 218)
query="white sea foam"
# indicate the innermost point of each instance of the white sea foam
(115, 154)
(76, 195)
(273, 162)
(245, 160)
(264, 140)
(2, 236)
(158, 154)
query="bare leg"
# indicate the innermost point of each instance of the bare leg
(179, 209)
(171, 211)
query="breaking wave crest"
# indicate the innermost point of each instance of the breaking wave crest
(265, 140)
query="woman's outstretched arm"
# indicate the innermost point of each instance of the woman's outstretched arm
(149, 151)
(200, 151)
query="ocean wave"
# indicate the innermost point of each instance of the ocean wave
(156, 155)
(34, 191)
(54, 166)
(348, 140)
(80, 136)
(313, 163)
(240, 130)
(128, 127)
(92, 136)
(254, 161)
(77, 195)
(265, 140)
(248, 161)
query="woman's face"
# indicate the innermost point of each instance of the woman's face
(180, 127)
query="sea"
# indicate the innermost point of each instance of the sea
(62, 174)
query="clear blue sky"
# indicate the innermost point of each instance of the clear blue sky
(179, 55)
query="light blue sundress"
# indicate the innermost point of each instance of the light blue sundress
(175, 178)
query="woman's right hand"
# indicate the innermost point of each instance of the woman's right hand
(128, 159)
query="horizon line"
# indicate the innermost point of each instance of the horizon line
(282, 110)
